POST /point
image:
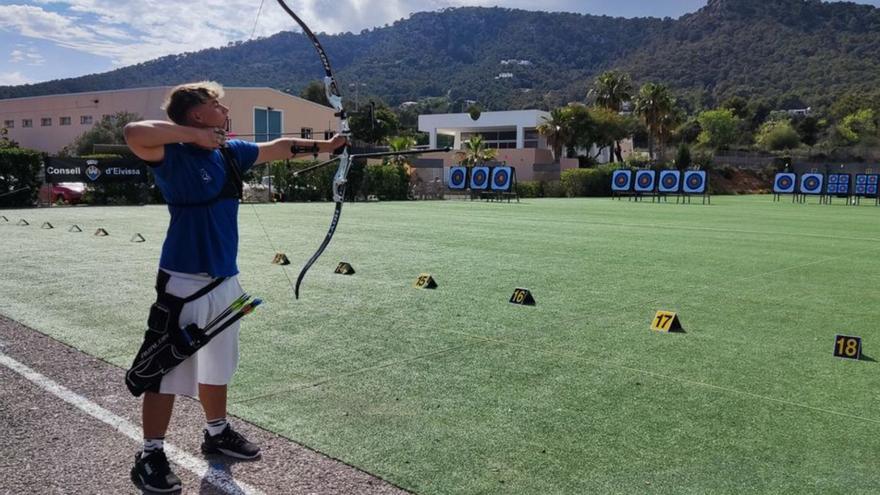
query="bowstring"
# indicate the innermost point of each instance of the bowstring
(253, 206)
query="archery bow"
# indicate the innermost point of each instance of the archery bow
(340, 180)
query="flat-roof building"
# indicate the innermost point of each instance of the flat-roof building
(49, 123)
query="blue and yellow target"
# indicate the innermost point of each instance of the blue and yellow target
(695, 182)
(621, 180)
(501, 178)
(784, 183)
(811, 183)
(458, 178)
(670, 180)
(480, 178)
(645, 180)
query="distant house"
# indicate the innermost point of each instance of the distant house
(799, 112)
(49, 123)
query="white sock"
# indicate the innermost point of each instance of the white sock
(216, 426)
(152, 445)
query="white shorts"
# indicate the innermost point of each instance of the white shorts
(215, 363)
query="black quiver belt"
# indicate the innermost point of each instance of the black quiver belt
(166, 344)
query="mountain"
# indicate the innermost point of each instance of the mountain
(786, 52)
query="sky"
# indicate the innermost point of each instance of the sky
(44, 40)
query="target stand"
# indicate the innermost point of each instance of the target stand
(839, 185)
(695, 183)
(784, 183)
(502, 184)
(622, 183)
(668, 183)
(810, 185)
(866, 187)
(645, 184)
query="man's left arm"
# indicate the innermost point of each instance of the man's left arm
(281, 149)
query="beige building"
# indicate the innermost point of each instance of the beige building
(49, 123)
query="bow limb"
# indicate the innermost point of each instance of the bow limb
(331, 88)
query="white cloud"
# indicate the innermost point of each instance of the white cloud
(13, 79)
(29, 55)
(129, 32)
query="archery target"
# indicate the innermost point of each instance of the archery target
(457, 178)
(480, 178)
(811, 183)
(694, 182)
(645, 180)
(501, 178)
(621, 180)
(866, 185)
(784, 183)
(669, 181)
(843, 183)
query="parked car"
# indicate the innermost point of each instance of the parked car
(64, 192)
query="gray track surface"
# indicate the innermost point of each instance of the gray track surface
(51, 447)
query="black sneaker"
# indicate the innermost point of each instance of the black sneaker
(153, 474)
(231, 443)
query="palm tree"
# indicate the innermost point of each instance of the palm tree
(656, 106)
(474, 151)
(557, 129)
(611, 90)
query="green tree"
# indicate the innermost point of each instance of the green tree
(5, 142)
(608, 129)
(315, 92)
(557, 129)
(656, 106)
(857, 126)
(776, 135)
(374, 124)
(683, 157)
(109, 130)
(809, 128)
(611, 90)
(719, 128)
(474, 151)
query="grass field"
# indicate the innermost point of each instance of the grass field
(455, 390)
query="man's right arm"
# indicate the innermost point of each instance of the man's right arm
(147, 138)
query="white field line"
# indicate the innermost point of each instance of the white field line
(218, 477)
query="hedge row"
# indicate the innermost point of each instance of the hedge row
(19, 169)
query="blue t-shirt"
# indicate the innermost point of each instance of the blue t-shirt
(200, 239)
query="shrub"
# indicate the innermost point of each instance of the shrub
(387, 181)
(530, 189)
(19, 168)
(587, 181)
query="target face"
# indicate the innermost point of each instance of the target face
(873, 179)
(871, 190)
(669, 180)
(811, 184)
(833, 179)
(480, 178)
(645, 180)
(457, 178)
(784, 183)
(861, 189)
(501, 178)
(620, 180)
(695, 182)
(861, 179)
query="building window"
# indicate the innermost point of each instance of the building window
(9, 124)
(328, 135)
(64, 121)
(27, 123)
(85, 120)
(45, 121)
(530, 139)
(267, 124)
(306, 133)
(493, 139)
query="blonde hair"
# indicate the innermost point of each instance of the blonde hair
(184, 97)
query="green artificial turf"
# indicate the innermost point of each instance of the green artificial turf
(454, 390)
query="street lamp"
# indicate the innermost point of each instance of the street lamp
(357, 94)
